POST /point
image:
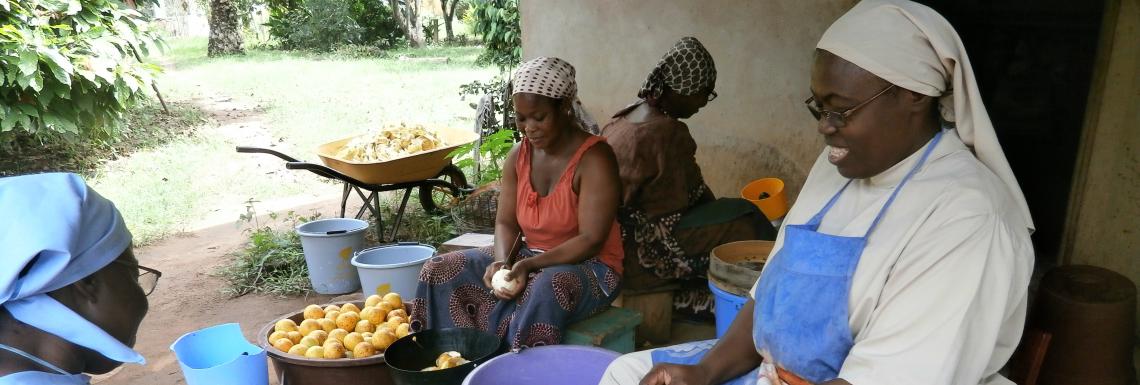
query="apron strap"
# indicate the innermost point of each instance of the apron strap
(35, 359)
(913, 170)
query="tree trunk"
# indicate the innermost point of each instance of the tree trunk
(449, 15)
(225, 29)
(408, 20)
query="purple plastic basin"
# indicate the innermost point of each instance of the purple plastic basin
(546, 365)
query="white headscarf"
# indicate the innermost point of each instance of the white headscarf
(56, 231)
(913, 47)
(553, 78)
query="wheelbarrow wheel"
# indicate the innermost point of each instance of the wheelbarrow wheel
(436, 198)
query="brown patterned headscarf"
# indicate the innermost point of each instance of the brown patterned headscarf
(553, 78)
(686, 69)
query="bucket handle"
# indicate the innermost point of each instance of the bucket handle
(336, 232)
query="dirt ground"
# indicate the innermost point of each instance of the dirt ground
(189, 297)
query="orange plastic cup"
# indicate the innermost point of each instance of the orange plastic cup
(775, 205)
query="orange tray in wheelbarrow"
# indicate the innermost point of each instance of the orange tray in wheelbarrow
(410, 168)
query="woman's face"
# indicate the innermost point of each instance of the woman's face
(119, 307)
(879, 134)
(541, 119)
(683, 106)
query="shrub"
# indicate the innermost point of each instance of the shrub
(497, 21)
(318, 25)
(378, 26)
(68, 69)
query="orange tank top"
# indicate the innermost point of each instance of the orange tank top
(548, 221)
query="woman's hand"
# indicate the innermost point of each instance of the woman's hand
(520, 272)
(495, 266)
(671, 374)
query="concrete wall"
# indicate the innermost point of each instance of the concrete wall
(1104, 224)
(758, 126)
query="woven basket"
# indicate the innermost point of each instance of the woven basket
(476, 213)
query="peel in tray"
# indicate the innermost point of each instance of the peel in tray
(390, 143)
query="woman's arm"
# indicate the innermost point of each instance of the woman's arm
(599, 193)
(733, 355)
(506, 223)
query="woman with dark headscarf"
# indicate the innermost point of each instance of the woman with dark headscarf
(670, 219)
(560, 190)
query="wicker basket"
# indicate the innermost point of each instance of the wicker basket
(476, 213)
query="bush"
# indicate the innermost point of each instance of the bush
(497, 21)
(68, 69)
(318, 25)
(378, 24)
(273, 261)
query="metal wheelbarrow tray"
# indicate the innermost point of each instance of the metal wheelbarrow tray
(429, 171)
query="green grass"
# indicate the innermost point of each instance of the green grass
(305, 99)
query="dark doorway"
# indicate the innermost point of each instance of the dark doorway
(1033, 61)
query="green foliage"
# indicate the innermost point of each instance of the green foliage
(68, 68)
(379, 26)
(499, 136)
(273, 261)
(318, 25)
(497, 21)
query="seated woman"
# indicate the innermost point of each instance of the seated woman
(72, 295)
(906, 257)
(670, 219)
(560, 190)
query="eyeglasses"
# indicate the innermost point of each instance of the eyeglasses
(839, 119)
(148, 278)
(712, 95)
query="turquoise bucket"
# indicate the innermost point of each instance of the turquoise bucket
(220, 355)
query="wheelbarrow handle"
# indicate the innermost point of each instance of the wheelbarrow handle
(259, 150)
(324, 171)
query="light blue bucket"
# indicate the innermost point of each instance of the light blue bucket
(392, 268)
(727, 305)
(329, 245)
(220, 355)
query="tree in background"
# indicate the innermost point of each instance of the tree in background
(449, 7)
(225, 29)
(407, 15)
(69, 68)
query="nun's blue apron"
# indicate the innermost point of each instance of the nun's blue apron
(801, 313)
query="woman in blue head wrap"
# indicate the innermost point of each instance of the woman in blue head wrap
(72, 295)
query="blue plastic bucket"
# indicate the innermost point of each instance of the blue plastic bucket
(329, 245)
(392, 268)
(726, 307)
(220, 355)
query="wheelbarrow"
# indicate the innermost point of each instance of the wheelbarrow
(448, 180)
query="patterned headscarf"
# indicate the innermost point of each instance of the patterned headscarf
(686, 69)
(553, 78)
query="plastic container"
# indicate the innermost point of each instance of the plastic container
(545, 365)
(220, 355)
(296, 370)
(775, 206)
(410, 168)
(329, 245)
(408, 356)
(727, 305)
(392, 268)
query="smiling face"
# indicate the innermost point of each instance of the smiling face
(544, 121)
(879, 134)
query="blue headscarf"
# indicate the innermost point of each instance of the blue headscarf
(54, 231)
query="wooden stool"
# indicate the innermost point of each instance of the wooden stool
(467, 241)
(611, 329)
(656, 308)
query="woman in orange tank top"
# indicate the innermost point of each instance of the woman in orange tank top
(560, 190)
